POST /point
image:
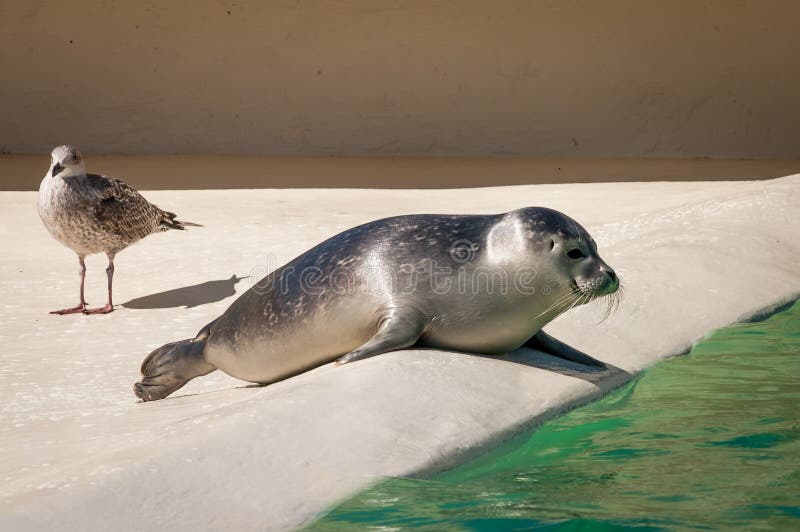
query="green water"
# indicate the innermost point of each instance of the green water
(708, 441)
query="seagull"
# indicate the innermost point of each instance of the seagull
(92, 213)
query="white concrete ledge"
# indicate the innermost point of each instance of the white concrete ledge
(77, 451)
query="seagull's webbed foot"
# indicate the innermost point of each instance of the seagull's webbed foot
(74, 310)
(101, 310)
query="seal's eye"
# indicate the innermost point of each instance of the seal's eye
(575, 254)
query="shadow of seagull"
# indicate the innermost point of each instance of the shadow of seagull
(188, 296)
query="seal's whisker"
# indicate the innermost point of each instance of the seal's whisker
(565, 300)
(561, 300)
(606, 303)
(617, 298)
(618, 295)
(550, 309)
(612, 303)
(580, 299)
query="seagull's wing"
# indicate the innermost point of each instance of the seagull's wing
(121, 210)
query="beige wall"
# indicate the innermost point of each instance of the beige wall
(25, 172)
(536, 78)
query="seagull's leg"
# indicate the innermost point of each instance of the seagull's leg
(110, 305)
(110, 274)
(82, 306)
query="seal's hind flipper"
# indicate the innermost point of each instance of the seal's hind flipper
(170, 367)
(542, 341)
(399, 328)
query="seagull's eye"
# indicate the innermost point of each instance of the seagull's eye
(575, 254)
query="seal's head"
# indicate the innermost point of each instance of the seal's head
(66, 162)
(573, 253)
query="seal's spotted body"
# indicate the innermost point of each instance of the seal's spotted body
(476, 283)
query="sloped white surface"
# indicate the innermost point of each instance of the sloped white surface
(78, 452)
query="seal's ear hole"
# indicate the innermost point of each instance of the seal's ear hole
(552, 244)
(575, 254)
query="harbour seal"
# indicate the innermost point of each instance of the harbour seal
(476, 283)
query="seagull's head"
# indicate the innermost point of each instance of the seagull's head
(66, 161)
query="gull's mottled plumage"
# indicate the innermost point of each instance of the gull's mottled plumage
(92, 213)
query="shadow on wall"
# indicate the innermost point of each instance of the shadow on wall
(188, 296)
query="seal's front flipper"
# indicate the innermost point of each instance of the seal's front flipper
(542, 341)
(400, 328)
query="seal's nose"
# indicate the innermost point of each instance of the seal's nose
(613, 281)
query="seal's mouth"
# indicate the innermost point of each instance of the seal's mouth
(594, 288)
(583, 292)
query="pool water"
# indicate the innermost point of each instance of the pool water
(707, 441)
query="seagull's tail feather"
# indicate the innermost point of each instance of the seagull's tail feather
(168, 221)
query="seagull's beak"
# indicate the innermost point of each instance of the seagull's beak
(56, 169)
